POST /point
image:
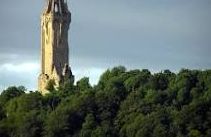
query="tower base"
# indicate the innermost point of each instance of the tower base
(42, 83)
(44, 79)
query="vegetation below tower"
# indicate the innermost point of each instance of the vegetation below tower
(124, 103)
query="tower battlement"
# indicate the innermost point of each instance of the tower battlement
(55, 22)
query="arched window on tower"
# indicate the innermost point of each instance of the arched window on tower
(56, 8)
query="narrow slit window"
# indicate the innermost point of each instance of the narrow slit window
(56, 8)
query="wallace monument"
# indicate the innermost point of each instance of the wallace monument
(55, 22)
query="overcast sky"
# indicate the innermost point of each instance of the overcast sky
(152, 34)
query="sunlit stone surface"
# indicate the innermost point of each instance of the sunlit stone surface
(55, 22)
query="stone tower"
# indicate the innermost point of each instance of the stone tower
(55, 22)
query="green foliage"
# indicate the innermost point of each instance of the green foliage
(51, 85)
(10, 93)
(67, 87)
(88, 126)
(124, 103)
(83, 84)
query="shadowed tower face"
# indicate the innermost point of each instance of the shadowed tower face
(55, 22)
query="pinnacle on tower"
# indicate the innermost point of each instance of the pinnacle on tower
(57, 6)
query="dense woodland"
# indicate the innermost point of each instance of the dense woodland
(133, 103)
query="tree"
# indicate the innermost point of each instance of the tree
(124, 103)
(10, 93)
(51, 85)
(31, 125)
(83, 84)
(160, 81)
(88, 126)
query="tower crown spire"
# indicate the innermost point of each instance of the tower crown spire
(57, 6)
